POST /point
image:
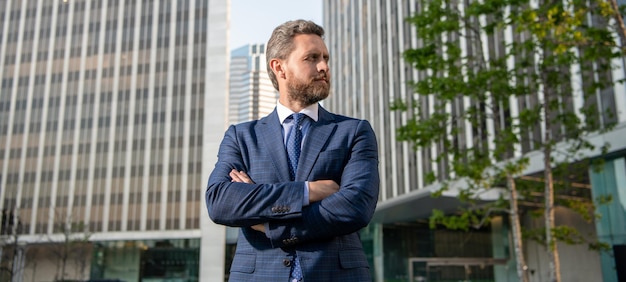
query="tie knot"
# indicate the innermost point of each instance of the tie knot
(297, 118)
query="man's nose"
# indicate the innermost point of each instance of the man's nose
(322, 66)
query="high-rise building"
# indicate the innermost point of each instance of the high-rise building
(366, 40)
(251, 97)
(251, 94)
(111, 113)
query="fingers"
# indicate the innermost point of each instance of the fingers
(240, 176)
(321, 189)
(259, 227)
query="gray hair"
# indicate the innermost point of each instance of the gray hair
(281, 44)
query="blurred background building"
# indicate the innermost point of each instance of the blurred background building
(251, 93)
(366, 40)
(251, 96)
(111, 113)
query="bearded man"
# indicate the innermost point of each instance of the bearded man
(301, 182)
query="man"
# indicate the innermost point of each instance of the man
(299, 206)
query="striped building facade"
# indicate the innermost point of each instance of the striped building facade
(366, 40)
(110, 120)
(251, 93)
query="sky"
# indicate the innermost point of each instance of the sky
(252, 21)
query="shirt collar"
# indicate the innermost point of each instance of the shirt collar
(284, 112)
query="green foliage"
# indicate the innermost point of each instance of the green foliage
(430, 177)
(537, 234)
(584, 208)
(398, 105)
(599, 246)
(460, 70)
(462, 221)
(567, 235)
(604, 199)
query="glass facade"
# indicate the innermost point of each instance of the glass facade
(77, 260)
(150, 260)
(413, 251)
(609, 183)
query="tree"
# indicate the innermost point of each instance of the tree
(619, 22)
(500, 79)
(73, 247)
(11, 250)
(70, 245)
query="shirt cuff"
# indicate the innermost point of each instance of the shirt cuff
(267, 229)
(305, 199)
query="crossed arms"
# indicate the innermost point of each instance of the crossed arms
(336, 206)
(318, 190)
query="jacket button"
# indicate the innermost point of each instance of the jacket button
(287, 262)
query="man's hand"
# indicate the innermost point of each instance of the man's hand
(240, 176)
(259, 227)
(320, 189)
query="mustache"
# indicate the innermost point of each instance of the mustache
(321, 77)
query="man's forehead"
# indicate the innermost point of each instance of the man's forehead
(309, 43)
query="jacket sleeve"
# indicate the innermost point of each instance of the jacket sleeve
(344, 212)
(240, 204)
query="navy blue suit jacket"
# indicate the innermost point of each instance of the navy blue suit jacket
(323, 234)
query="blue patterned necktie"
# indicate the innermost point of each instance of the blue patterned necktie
(294, 143)
(296, 271)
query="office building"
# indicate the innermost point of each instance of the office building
(111, 113)
(366, 40)
(251, 94)
(251, 97)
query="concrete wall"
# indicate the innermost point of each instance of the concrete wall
(42, 263)
(578, 263)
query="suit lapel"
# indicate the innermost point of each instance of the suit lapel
(316, 139)
(270, 132)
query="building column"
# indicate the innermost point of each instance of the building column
(502, 249)
(610, 183)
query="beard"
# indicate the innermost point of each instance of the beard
(307, 93)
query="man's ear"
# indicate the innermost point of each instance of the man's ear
(277, 68)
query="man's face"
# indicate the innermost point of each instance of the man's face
(306, 72)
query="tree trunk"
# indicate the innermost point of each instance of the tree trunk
(64, 256)
(551, 244)
(619, 22)
(517, 230)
